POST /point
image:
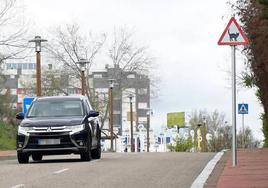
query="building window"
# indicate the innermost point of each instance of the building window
(142, 105)
(97, 75)
(142, 91)
(142, 119)
(24, 66)
(131, 76)
(31, 66)
(116, 112)
(19, 65)
(14, 66)
(9, 66)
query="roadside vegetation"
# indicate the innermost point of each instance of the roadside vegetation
(181, 145)
(8, 123)
(216, 134)
(253, 14)
(7, 136)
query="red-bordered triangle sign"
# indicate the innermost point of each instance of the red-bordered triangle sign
(233, 35)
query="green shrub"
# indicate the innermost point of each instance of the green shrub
(7, 136)
(181, 145)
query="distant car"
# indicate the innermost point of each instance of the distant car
(59, 125)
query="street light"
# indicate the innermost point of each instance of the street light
(111, 85)
(37, 40)
(131, 123)
(205, 148)
(148, 129)
(82, 63)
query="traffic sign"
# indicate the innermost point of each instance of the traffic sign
(233, 34)
(242, 108)
(27, 101)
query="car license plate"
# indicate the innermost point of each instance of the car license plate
(48, 141)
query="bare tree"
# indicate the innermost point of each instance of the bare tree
(69, 46)
(13, 30)
(128, 56)
(214, 124)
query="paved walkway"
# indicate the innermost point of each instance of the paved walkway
(8, 153)
(251, 170)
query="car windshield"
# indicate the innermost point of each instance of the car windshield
(54, 108)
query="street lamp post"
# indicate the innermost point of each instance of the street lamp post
(111, 85)
(37, 40)
(205, 148)
(82, 63)
(199, 137)
(131, 124)
(148, 129)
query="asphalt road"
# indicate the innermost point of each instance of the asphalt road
(113, 170)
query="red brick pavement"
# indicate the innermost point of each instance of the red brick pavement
(8, 153)
(251, 170)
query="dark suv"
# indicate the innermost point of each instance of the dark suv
(59, 125)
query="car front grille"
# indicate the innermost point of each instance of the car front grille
(65, 140)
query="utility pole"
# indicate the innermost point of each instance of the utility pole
(111, 85)
(131, 123)
(37, 40)
(82, 63)
(148, 130)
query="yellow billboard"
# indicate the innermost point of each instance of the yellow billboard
(175, 118)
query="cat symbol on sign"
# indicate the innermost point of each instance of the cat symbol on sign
(233, 36)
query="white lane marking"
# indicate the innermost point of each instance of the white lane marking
(203, 176)
(18, 186)
(60, 171)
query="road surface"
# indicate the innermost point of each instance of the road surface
(117, 170)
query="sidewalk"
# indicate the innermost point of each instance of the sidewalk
(251, 170)
(7, 153)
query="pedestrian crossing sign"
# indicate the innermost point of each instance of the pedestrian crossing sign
(242, 108)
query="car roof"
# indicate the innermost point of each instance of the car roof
(72, 97)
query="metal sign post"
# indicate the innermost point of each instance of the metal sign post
(234, 146)
(232, 36)
(243, 109)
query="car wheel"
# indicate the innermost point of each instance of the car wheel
(23, 158)
(37, 157)
(86, 156)
(96, 153)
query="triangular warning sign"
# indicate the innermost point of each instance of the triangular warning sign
(233, 34)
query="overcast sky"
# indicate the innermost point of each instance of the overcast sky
(181, 35)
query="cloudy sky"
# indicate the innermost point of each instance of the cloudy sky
(182, 36)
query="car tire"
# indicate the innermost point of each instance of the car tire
(23, 158)
(37, 157)
(86, 156)
(96, 153)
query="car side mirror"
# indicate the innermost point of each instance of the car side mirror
(20, 116)
(92, 113)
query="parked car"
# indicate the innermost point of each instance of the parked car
(59, 125)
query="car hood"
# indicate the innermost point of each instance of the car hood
(51, 122)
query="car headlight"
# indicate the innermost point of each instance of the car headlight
(77, 128)
(24, 130)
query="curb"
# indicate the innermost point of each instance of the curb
(203, 176)
(7, 154)
(8, 157)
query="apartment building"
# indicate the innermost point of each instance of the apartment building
(126, 83)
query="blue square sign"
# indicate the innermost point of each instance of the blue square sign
(27, 101)
(242, 108)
